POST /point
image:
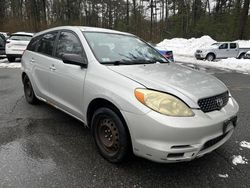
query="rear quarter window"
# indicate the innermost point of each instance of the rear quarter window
(33, 44)
(233, 45)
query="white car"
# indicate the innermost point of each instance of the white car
(247, 55)
(16, 45)
(131, 97)
(221, 50)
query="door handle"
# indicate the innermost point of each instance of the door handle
(52, 67)
(32, 61)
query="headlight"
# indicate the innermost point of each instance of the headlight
(163, 103)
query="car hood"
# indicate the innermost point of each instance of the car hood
(175, 79)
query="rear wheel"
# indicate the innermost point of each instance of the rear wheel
(11, 59)
(210, 57)
(29, 92)
(110, 135)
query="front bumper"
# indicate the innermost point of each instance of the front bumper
(171, 139)
(199, 55)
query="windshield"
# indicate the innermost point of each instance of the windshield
(116, 48)
(216, 44)
(20, 37)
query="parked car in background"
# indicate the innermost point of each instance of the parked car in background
(166, 53)
(2, 45)
(131, 97)
(247, 55)
(5, 34)
(221, 50)
(16, 44)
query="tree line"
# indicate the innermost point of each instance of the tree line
(152, 20)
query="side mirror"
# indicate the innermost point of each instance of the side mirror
(74, 59)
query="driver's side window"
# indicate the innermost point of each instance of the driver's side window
(224, 46)
(68, 43)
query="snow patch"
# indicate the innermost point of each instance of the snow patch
(245, 144)
(238, 159)
(223, 175)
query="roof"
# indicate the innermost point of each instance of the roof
(23, 33)
(83, 28)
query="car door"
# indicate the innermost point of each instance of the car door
(41, 61)
(223, 51)
(233, 50)
(67, 81)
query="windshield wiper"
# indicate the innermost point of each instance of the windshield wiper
(135, 62)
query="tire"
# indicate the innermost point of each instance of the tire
(111, 136)
(29, 92)
(11, 59)
(210, 57)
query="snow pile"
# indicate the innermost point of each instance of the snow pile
(3, 64)
(186, 47)
(239, 160)
(245, 144)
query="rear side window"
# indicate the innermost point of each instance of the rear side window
(68, 43)
(233, 45)
(46, 43)
(33, 44)
(21, 37)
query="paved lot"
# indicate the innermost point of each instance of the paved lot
(43, 147)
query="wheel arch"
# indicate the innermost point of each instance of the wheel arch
(211, 53)
(241, 55)
(98, 103)
(101, 102)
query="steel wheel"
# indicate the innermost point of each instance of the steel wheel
(108, 135)
(28, 91)
(111, 135)
(210, 57)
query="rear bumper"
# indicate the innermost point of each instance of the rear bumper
(14, 52)
(14, 55)
(171, 139)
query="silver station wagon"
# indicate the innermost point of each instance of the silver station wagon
(132, 98)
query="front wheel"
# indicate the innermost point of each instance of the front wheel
(110, 135)
(210, 57)
(28, 91)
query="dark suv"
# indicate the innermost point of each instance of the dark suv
(2, 45)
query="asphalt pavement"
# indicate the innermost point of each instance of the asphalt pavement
(41, 146)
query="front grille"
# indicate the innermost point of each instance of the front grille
(214, 141)
(214, 103)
